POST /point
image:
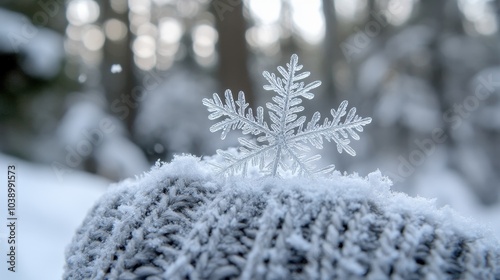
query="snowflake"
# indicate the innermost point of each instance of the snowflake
(282, 146)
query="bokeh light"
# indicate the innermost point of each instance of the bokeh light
(204, 38)
(265, 37)
(399, 11)
(265, 11)
(349, 10)
(93, 37)
(308, 19)
(144, 46)
(81, 12)
(142, 7)
(119, 6)
(115, 29)
(170, 30)
(481, 14)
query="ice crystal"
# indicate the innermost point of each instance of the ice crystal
(283, 145)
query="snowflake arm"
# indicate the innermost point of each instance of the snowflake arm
(237, 117)
(249, 154)
(334, 130)
(283, 112)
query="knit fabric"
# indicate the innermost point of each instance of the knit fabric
(179, 221)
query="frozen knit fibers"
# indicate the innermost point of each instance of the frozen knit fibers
(179, 221)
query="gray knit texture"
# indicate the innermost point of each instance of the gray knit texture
(180, 221)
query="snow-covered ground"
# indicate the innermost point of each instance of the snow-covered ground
(49, 211)
(437, 181)
(449, 189)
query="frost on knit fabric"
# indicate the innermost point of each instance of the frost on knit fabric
(180, 221)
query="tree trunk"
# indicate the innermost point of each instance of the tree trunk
(331, 49)
(288, 44)
(232, 48)
(118, 86)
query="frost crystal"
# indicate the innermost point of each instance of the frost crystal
(282, 146)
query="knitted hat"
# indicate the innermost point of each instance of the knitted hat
(180, 221)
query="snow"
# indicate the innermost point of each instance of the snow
(178, 97)
(439, 182)
(116, 68)
(406, 98)
(10, 21)
(347, 224)
(372, 72)
(44, 54)
(430, 201)
(49, 212)
(86, 124)
(410, 40)
(42, 47)
(119, 158)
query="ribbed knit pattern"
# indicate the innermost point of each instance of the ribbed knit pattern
(181, 222)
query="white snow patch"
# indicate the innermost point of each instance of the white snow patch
(447, 188)
(343, 190)
(87, 124)
(116, 68)
(42, 49)
(298, 242)
(49, 212)
(375, 186)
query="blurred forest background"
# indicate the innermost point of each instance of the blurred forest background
(109, 87)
